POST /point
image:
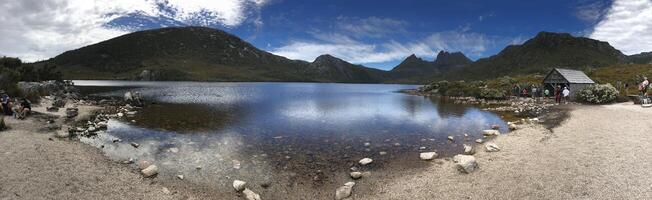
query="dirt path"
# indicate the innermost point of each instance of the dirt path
(36, 165)
(600, 152)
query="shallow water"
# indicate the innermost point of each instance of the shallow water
(291, 134)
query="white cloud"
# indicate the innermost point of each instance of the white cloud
(627, 26)
(359, 52)
(371, 26)
(39, 29)
(591, 12)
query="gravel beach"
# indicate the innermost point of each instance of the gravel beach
(599, 152)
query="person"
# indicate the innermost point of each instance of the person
(6, 103)
(24, 108)
(534, 91)
(642, 88)
(546, 93)
(566, 93)
(525, 92)
(557, 94)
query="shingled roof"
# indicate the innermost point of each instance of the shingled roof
(572, 76)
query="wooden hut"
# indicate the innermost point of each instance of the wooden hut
(575, 80)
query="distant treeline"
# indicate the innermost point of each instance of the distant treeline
(13, 70)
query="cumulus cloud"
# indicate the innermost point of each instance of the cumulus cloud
(360, 52)
(627, 26)
(39, 29)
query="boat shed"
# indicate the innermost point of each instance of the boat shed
(575, 80)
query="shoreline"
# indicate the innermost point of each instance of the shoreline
(382, 184)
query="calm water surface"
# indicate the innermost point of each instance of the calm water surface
(290, 134)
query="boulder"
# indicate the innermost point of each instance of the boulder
(344, 191)
(465, 163)
(468, 149)
(491, 147)
(356, 175)
(250, 195)
(239, 185)
(491, 132)
(428, 155)
(150, 171)
(365, 161)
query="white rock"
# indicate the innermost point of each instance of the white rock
(344, 191)
(428, 155)
(382, 153)
(135, 145)
(468, 149)
(251, 195)
(239, 185)
(366, 144)
(180, 177)
(422, 148)
(150, 171)
(451, 138)
(512, 127)
(365, 161)
(356, 175)
(102, 125)
(491, 132)
(465, 163)
(174, 150)
(142, 164)
(121, 114)
(479, 141)
(492, 147)
(166, 191)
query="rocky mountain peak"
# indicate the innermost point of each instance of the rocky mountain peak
(445, 58)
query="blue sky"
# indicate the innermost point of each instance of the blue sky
(373, 33)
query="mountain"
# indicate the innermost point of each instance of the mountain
(334, 69)
(540, 54)
(641, 58)
(414, 67)
(201, 54)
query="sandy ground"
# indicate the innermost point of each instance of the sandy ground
(600, 152)
(36, 165)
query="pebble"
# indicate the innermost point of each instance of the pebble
(174, 150)
(356, 175)
(428, 155)
(382, 153)
(166, 191)
(479, 141)
(150, 171)
(142, 164)
(451, 138)
(344, 191)
(239, 185)
(135, 145)
(180, 177)
(397, 144)
(366, 144)
(365, 161)
(468, 149)
(465, 163)
(490, 132)
(251, 195)
(492, 147)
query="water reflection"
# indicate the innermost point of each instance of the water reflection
(293, 133)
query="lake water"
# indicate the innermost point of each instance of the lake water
(297, 136)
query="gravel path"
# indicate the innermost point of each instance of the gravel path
(600, 152)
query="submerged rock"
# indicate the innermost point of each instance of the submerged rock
(428, 155)
(465, 163)
(239, 185)
(491, 132)
(365, 161)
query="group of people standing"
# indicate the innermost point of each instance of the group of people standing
(537, 91)
(19, 111)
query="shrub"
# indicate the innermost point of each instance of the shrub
(598, 94)
(489, 93)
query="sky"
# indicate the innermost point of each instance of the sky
(375, 33)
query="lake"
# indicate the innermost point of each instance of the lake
(297, 136)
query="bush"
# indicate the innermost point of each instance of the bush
(598, 94)
(488, 93)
